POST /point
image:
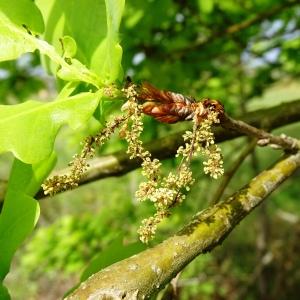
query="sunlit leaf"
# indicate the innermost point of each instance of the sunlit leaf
(12, 44)
(69, 46)
(206, 6)
(96, 34)
(29, 129)
(23, 12)
(15, 40)
(107, 58)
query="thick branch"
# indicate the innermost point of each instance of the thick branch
(139, 276)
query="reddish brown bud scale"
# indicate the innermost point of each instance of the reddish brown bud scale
(169, 107)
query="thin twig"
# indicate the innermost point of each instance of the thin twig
(232, 29)
(264, 138)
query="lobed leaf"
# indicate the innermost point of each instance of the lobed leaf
(29, 129)
(13, 45)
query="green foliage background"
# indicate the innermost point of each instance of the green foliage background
(177, 45)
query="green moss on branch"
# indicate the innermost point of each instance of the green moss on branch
(139, 276)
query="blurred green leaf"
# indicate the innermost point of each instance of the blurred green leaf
(20, 210)
(116, 251)
(29, 129)
(23, 12)
(229, 5)
(4, 295)
(206, 6)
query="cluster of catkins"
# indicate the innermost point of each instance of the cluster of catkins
(164, 192)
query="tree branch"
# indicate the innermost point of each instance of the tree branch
(232, 29)
(118, 163)
(139, 276)
(265, 138)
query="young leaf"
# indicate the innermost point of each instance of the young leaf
(12, 44)
(23, 12)
(20, 210)
(96, 34)
(62, 18)
(15, 40)
(107, 57)
(29, 129)
(69, 46)
(67, 90)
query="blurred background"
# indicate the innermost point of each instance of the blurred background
(244, 53)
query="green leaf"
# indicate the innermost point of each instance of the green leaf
(4, 295)
(62, 18)
(230, 6)
(67, 90)
(69, 46)
(15, 40)
(96, 34)
(29, 129)
(206, 6)
(12, 44)
(20, 210)
(23, 12)
(106, 107)
(116, 251)
(76, 71)
(107, 58)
